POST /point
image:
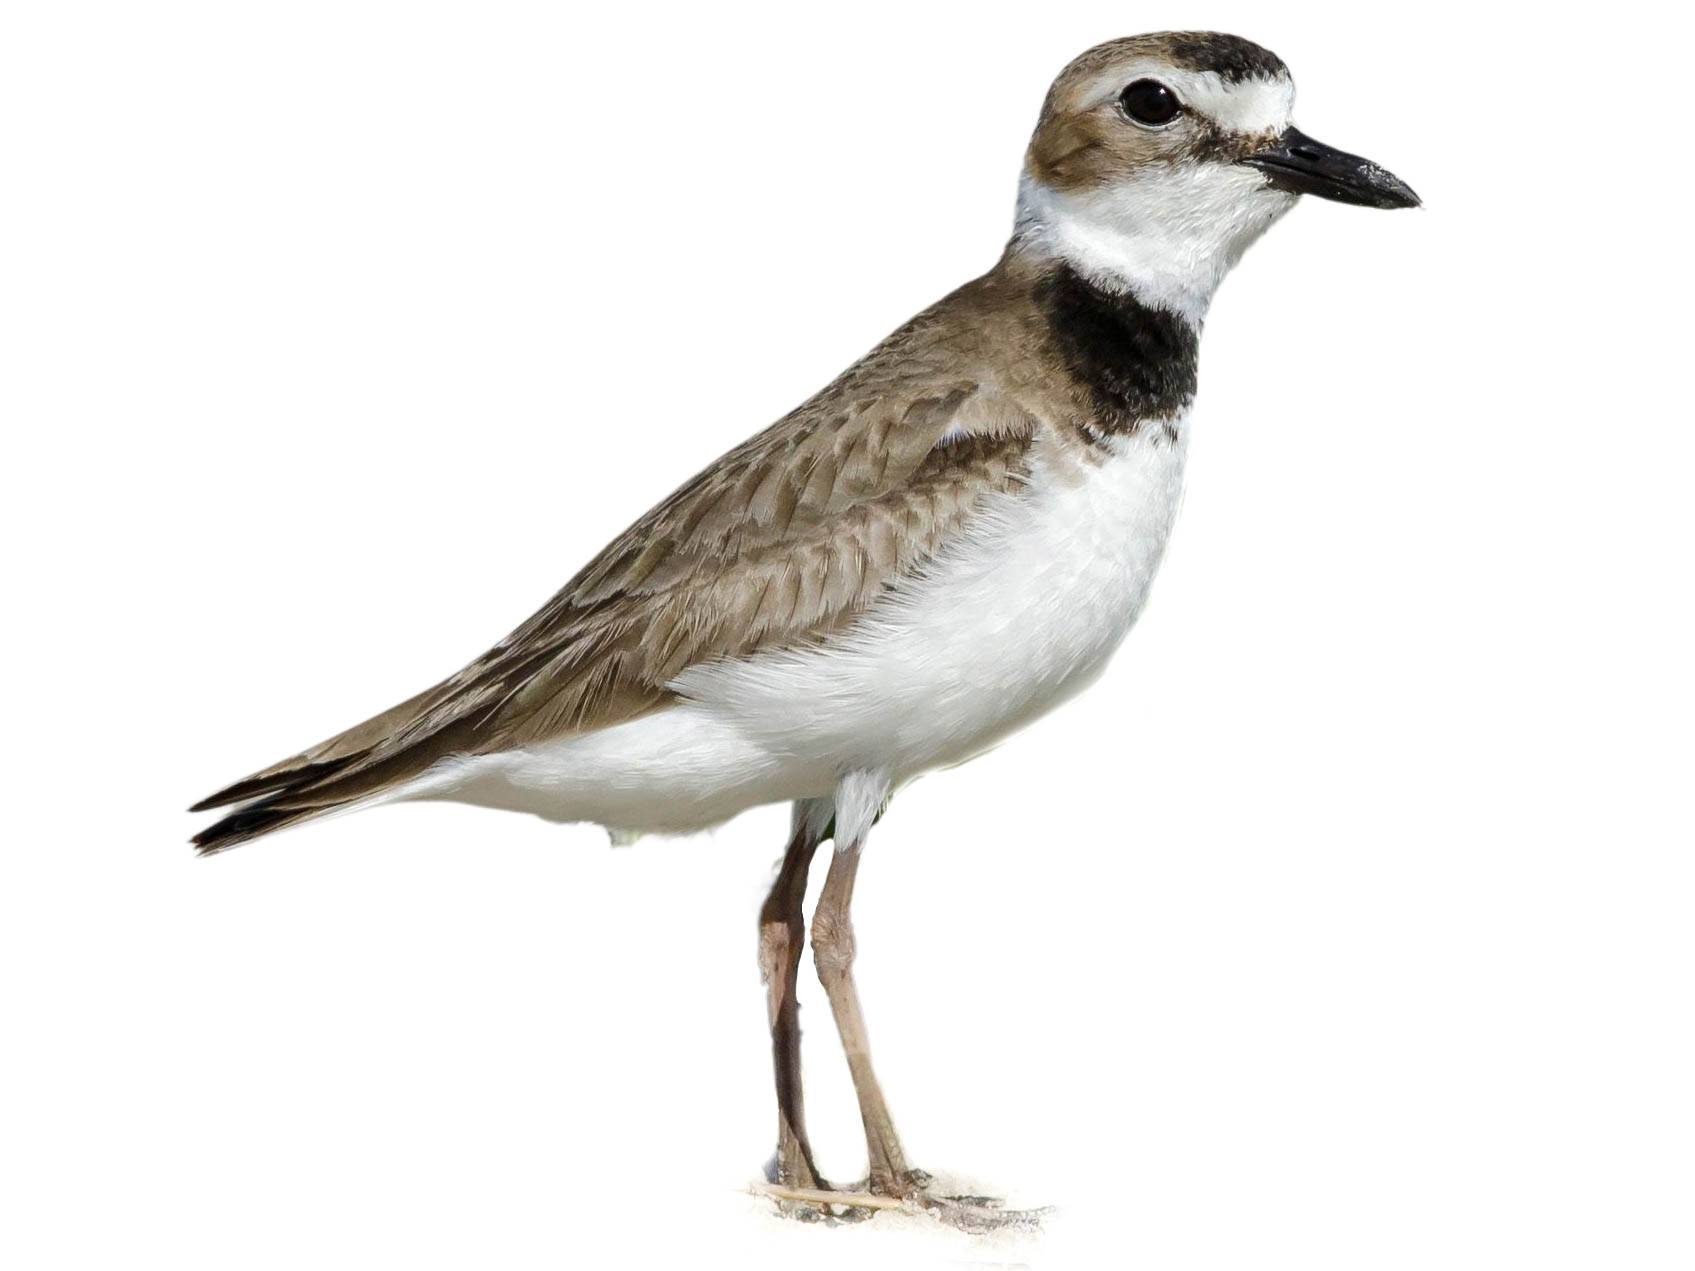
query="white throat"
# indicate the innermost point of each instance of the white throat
(1168, 235)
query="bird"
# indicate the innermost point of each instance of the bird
(941, 545)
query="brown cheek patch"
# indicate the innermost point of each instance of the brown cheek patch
(1094, 149)
(1070, 154)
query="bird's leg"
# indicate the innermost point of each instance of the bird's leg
(890, 1184)
(782, 936)
(832, 949)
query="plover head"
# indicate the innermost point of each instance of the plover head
(1158, 159)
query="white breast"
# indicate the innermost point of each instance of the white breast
(1007, 623)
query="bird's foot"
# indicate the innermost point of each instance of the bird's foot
(962, 1211)
(823, 1203)
(801, 1207)
(912, 1193)
(797, 1190)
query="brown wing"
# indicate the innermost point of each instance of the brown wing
(781, 541)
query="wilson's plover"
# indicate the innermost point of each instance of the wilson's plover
(946, 542)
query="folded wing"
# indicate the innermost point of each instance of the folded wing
(782, 541)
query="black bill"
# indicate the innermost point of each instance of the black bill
(1301, 165)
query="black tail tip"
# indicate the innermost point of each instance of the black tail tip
(238, 827)
(296, 773)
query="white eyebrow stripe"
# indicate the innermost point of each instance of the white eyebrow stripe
(1252, 105)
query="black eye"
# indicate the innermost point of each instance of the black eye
(1150, 102)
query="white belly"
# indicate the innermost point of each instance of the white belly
(1005, 625)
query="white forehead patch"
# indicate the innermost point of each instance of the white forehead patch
(1252, 105)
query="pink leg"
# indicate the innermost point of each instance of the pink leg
(782, 935)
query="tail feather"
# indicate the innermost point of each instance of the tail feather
(262, 784)
(325, 759)
(310, 796)
(247, 823)
(312, 790)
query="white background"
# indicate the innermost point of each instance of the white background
(1346, 923)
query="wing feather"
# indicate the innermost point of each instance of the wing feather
(779, 543)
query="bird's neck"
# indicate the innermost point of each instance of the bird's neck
(1134, 363)
(1167, 262)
